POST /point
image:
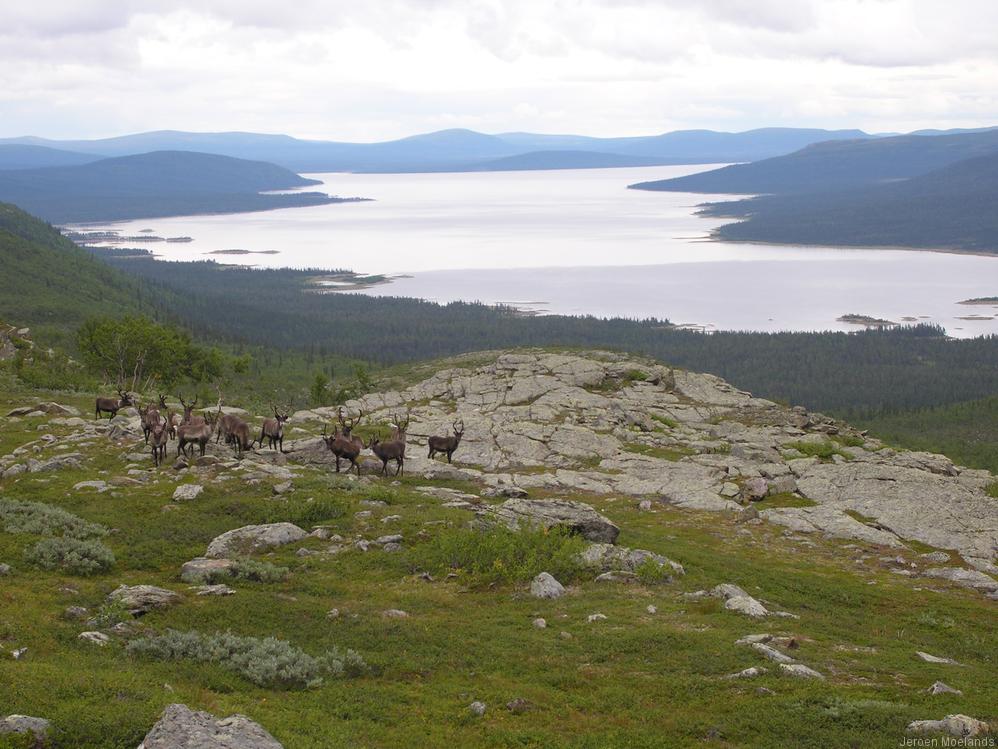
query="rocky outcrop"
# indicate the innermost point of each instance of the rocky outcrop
(182, 728)
(544, 585)
(201, 569)
(576, 517)
(26, 725)
(253, 538)
(961, 726)
(608, 558)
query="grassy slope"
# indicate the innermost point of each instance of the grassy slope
(635, 680)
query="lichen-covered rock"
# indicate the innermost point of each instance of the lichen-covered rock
(182, 728)
(576, 517)
(252, 538)
(187, 492)
(966, 578)
(200, 569)
(26, 725)
(544, 585)
(608, 558)
(736, 599)
(141, 599)
(961, 726)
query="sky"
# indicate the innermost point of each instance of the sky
(379, 69)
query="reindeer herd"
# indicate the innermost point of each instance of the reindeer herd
(160, 424)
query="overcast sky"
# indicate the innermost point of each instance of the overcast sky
(378, 69)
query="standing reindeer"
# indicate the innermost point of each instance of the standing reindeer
(273, 429)
(343, 444)
(224, 424)
(150, 417)
(447, 444)
(189, 416)
(160, 433)
(190, 434)
(112, 405)
(393, 449)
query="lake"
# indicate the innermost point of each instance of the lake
(578, 242)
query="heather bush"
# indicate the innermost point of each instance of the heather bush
(71, 554)
(45, 520)
(267, 662)
(246, 568)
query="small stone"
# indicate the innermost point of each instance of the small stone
(186, 492)
(941, 688)
(392, 548)
(477, 708)
(748, 673)
(644, 505)
(4, 570)
(929, 658)
(214, 590)
(651, 608)
(395, 614)
(75, 613)
(362, 514)
(800, 671)
(391, 518)
(518, 706)
(321, 533)
(333, 614)
(283, 488)
(596, 618)
(772, 653)
(19, 653)
(97, 638)
(140, 599)
(565, 635)
(540, 623)
(545, 586)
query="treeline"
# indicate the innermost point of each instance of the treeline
(853, 374)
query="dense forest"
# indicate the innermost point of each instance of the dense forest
(162, 183)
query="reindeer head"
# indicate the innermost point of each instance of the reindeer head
(124, 398)
(162, 401)
(347, 425)
(458, 429)
(188, 407)
(375, 440)
(281, 416)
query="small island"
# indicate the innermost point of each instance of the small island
(243, 252)
(981, 300)
(866, 321)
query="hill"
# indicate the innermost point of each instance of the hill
(458, 149)
(17, 156)
(160, 183)
(837, 165)
(687, 600)
(949, 208)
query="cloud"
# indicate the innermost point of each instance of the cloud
(386, 68)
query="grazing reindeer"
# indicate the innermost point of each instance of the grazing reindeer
(343, 444)
(189, 416)
(113, 405)
(447, 444)
(239, 435)
(173, 420)
(393, 449)
(225, 424)
(150, 417)
(273, 429)
(160, 433)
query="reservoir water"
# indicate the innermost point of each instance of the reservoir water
(579, 242)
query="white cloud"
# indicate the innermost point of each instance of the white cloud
(387, 68)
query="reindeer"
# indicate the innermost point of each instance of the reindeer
(224, 424)
(113, 405)
(160, 433)
(447, 444)
(191, 433)
(189, 416)
(150, 417)
(343, 444)
(273, 429)
(239, 435)
(393, 449)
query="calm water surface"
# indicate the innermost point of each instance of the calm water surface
(578, 242)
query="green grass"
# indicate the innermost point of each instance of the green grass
(822, 450)
(656, 451)
(634, 680)
(784, 499)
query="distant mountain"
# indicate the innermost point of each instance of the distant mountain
(955, 207)
(161, 183)
(457, 149)
(837, 164)
(541, 160)
(21, 156)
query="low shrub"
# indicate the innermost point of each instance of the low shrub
(822, 450)
(992, 489)
(72, 555)
(45, 520)
(304, 512)
(252, 569)
(267, 662)
(501, 555)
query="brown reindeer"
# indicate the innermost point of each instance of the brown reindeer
(150, 417)
(343, 444)
(224, 425)
(447, 444)
(273, 429)
(240, 437)
(160, 434)
(393, 449)
(190, 434)
(189, 416)
(113, 405)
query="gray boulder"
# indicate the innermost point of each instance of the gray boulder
(186, 492)
(577, 517)
(26, 725)
(201, 568)
(252, 538)
(182, 728)
(736, 599)
(966, 578)
(545, 586)
(141, 599)
(960, 726)
(608, 558)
